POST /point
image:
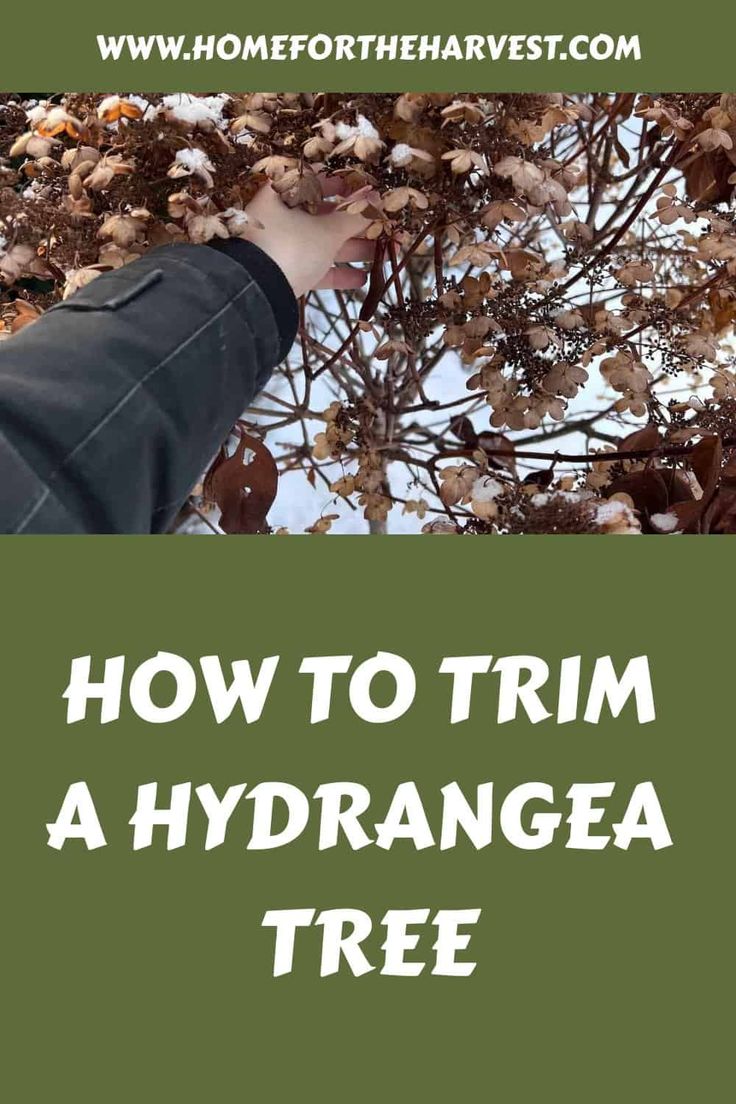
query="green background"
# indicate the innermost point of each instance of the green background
(146, 976)
(689, 50)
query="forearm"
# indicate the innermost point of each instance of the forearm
(114, 402)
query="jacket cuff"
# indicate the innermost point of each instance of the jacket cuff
(272, 283)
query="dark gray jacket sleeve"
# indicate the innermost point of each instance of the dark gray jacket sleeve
(115, 401)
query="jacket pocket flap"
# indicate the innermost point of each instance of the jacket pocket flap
(110, 292)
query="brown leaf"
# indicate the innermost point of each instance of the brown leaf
(243, 487)
(491, 441)
(722, 313)
(376, 284)
(706, 178)
(721, 514)
(522, 263)
(621, 150)
(728, 475)
(300, 188)
(25, 314)
(646, 488)
(705, 460)
(646, 438)
(589, 311)
(678, 488)
(418, 137)
(463, 429)
(622, 106)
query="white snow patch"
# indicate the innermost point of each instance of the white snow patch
(196, 110)
(108, 103)
(237, 220)
(401, 154)
(543, 498)
(36, 114)
(140, 101)
(365, 128)
(665, 523)
(612, 510)
(485, 489)
(194, 159)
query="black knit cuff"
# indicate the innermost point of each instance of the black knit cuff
(272, 283)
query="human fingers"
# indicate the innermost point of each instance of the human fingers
(341, 224)
(343, 279)
(356, 249)
(332, 185)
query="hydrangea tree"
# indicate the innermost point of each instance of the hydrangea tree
(545, 341)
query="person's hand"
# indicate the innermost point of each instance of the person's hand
(307, 247)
